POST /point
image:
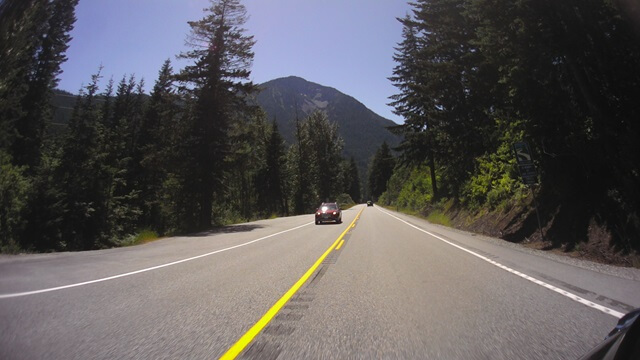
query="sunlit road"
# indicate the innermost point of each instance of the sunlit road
(397, 287)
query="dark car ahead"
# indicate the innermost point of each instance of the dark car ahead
(369, 203)
(328, 212)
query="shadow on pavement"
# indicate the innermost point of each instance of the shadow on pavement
(230, 229)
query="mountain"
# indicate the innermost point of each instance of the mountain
(363, 130)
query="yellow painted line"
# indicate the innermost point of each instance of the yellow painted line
(340, 245)
(246, 339)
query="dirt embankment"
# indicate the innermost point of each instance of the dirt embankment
(572, 230)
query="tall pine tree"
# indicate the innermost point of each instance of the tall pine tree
(353, 181)
(325, 148)
(216, 85)
(159, 141)
(33, 41)
(380, 171)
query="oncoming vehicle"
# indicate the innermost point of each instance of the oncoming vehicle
(328, 212)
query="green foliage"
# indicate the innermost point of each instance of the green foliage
(409, 188)
(416, 192)
(34, 37)
(566, 70)
(140, 238)
(197, 154)
(216, 86)
(394, 186)
(352, 180)
(315, 162)
(269, 182)
(244, 182)
(496, 180)
(325, 149)
(159, 151)
(380, 171)
(439, 77)
(172, 205)
(345, 201)
(146, 236)
(179, 160)
(45, 212)
(304, 195)
(228, 216)
(437, 217)
(15, 189)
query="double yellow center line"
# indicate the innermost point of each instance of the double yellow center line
(246, 339)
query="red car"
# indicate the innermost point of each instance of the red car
(328, 212)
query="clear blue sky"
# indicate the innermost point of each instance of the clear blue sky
(344, 44)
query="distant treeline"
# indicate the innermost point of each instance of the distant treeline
(476, 76)
(191, 155)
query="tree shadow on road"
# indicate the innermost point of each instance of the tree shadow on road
(229, 229)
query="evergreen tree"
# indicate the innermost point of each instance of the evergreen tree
(34, 39)
(22, 22)
(380, 171)
(270, 182)
(81, 177)
(14, 189)
(122, 158)
(569, 71)
(565, 73)
(159, 145)
(246, 167)
(46, 206)
(315, 162)
(325, 148)
(418, 144)
(216, 86)
(43, 79)
(438, 76)
(353, 181)
(34, 36)
(304, 195)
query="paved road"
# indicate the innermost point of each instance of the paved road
(398, 287)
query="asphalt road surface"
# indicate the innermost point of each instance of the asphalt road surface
(383, 285)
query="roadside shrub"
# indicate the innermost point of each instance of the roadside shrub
(227, 216)
(416, 192)
(409, 188)
(345, 201)
(496, 181)
(15, 188)
(394, 186)
(142, 237)
(437, 217)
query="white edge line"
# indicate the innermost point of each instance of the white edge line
(562, 292)
(14, 295)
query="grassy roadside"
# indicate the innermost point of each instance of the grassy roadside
(143, 237)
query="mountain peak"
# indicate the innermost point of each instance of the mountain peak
(362, 130)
